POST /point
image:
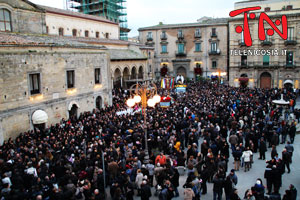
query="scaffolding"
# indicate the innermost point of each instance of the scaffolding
(113, 10)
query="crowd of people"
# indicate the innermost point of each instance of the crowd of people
(80, 158)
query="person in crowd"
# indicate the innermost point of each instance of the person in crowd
(79, 157)
(262, 149)
(247, 158)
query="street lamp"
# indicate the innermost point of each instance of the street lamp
(146, 94)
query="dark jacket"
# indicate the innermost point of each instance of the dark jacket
(218, 184)
(145, 192)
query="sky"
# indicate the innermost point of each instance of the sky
(143, 13)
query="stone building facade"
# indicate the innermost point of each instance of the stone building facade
(36, 76)
(181, 48)
(266, 71)
(46, 76)
(24, 17)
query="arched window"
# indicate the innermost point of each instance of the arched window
(61, 32)
(74, 32)
(5, 20)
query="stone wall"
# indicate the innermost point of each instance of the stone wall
(16, 103)
(24, 17)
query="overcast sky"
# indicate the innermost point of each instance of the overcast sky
(142, 13)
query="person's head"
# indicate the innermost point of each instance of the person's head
(39, 197)
(232, 172)
(96, 191)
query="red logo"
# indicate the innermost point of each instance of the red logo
(261, 27)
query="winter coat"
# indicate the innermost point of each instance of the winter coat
(188, 194)
(247, 155)
(139, 180)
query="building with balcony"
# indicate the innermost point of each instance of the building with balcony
(189, 49)
(263, 70)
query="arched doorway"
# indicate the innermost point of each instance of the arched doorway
(117, 78)
(244, 80)
(133, 73)
(265, 80)
(126, 76)
(288, 84)
(73, 112)
(141, 73)
(181, 71)
(99, 102)
(164, 70)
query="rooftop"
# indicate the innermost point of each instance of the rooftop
(126, 54)
(206, 21)
(76, 14)
(17, 39)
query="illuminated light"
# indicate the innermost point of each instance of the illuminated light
(137, 99)
(251, 80)
(164, 63)
(236, 80)
(71, 91)
(198, 62)
(37, 97)
(156, 98)
(151, 102)
(130, 103)
(98, 86)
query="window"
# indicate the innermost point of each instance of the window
(289, 58)
(214, 64)
(213, 32)
(163, 35)
(289, 7)
(290, 33)
(107, 35)
(198, 65)
(266, 60)
(97, 34)
(149, 35)
(180, 34)
(97, 76)
(198, 47)
(214, 46)
(86, 33)
(70, 79)
(5, 20)
(74, 32)
(197, 32)
(34, 83)
(47, 29)
(180, 48)
(242, 37)
(243, 60)
(61, 32)
(164, 48)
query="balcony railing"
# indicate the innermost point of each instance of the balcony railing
(197, 35)
(215, 52)
(213, 35)
(180, 53)
(290, 41)
(180, 36)
(163, 37)
(149, 39)
(261, 64)
(267, 42)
